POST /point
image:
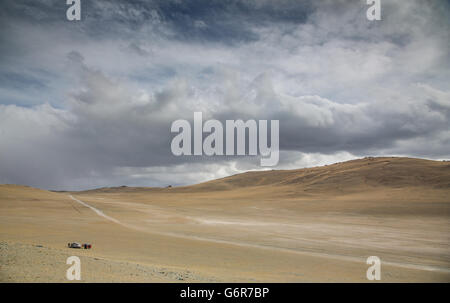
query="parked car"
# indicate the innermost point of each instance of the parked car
(78, 245)
(74, 245)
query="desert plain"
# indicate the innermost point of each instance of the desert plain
(306, 225)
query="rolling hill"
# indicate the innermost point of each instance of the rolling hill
(311, 224)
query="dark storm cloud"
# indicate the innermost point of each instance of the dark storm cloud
(90, 103)
(204, 20)
(228, 21)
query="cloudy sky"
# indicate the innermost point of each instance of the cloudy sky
(90, 103)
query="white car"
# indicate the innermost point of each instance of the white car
(74, 245)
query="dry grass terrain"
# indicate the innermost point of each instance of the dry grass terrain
(315, 224)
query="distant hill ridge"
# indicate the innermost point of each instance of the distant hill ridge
(353, 175)
(370, 171)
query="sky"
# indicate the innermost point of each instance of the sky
(90, 103)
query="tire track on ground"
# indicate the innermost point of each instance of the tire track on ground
(286, 250)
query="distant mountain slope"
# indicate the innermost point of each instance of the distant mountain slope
(347, 176)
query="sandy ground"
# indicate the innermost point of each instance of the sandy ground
(311, 225)
(36, 263)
